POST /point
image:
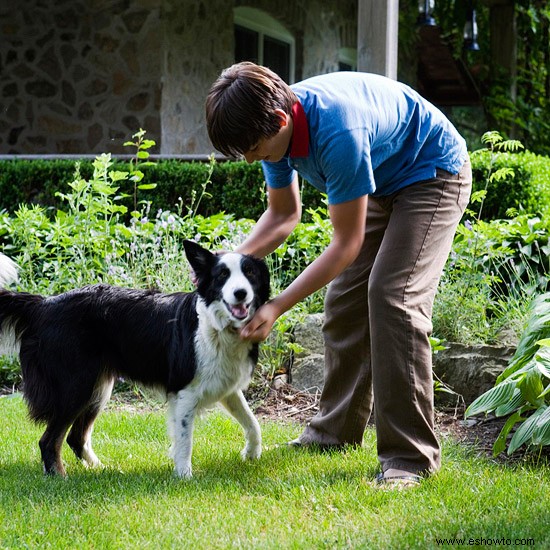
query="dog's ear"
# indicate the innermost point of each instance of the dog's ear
(201, 260)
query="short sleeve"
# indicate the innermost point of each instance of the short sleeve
(278, 174)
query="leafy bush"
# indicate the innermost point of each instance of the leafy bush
(238, 188)
(234, 187)
(495, 266)
(523, 389)
(511, 180)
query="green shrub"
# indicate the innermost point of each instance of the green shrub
(236, 188)
(522, 391)
(495, 266)
(526, 185)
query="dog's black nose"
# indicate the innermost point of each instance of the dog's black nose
(240, 294)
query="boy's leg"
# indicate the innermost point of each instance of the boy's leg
(402, 287)
(346, 400)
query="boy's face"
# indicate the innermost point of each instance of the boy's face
(274, 148)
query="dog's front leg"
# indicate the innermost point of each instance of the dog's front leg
(182, 411)
(236, 405)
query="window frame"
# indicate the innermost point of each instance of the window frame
(260, 22)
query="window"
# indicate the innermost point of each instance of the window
(263, 40)
(347, 59)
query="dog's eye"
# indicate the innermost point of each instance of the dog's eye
(248, 270)
(223, 273)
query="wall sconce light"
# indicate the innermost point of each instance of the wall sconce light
(470, 32)
(425, 10)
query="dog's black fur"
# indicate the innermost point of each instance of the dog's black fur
(73, 346)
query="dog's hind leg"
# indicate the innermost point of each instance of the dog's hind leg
(80, 436)
(236, 405)
(50, 447)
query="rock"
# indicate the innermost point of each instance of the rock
(309, 335)
(471, 370)
(308, 366)
(307, 373)
(279, 381)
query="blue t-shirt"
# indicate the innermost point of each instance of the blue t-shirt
(368, 135)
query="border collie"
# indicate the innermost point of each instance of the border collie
(73, 347)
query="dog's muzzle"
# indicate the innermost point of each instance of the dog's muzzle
(238, 311)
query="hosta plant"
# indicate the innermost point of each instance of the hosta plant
(522, 391)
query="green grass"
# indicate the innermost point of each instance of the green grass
(287, 499)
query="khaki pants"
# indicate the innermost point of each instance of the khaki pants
(378, 322)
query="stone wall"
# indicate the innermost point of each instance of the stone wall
(80, 76)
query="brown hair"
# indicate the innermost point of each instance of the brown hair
(240, 107)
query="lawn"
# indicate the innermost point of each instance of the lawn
(287, 499)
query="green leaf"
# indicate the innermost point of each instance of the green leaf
(478, 196)
(491, 399)
(137, 176)
(538, 327)
(147, 144)
(491, 137)
(531, 387)
(500, 443)
(525, 432)
(542, 361)
(147, 186)
(501, 174)
(515, 403)
(116, 175)
(542, 432)
(142, 155)
(103, 188)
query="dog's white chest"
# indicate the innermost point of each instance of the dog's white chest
(223, 362)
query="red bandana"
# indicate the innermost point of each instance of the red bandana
(300, 133)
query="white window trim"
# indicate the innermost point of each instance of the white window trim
(262, 23)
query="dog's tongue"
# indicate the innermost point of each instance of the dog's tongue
(240, 311)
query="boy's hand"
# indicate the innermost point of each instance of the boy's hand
(259, 327)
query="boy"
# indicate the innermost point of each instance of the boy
(398, 179)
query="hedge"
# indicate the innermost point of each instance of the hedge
(238, 188)
(527, 189)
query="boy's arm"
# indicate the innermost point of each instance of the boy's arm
(283, 212)
(348, 220)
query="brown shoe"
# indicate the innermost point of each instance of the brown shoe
(398, 482)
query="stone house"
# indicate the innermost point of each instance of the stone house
(81, 76)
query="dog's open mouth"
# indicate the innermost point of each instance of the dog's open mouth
(239, 311)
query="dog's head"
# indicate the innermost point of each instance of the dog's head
(233, 286)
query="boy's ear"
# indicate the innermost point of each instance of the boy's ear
(201, 260)
(283, 117)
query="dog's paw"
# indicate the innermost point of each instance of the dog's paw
(90, 460)
(92, 464)
(251, 452)
(184, 472)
